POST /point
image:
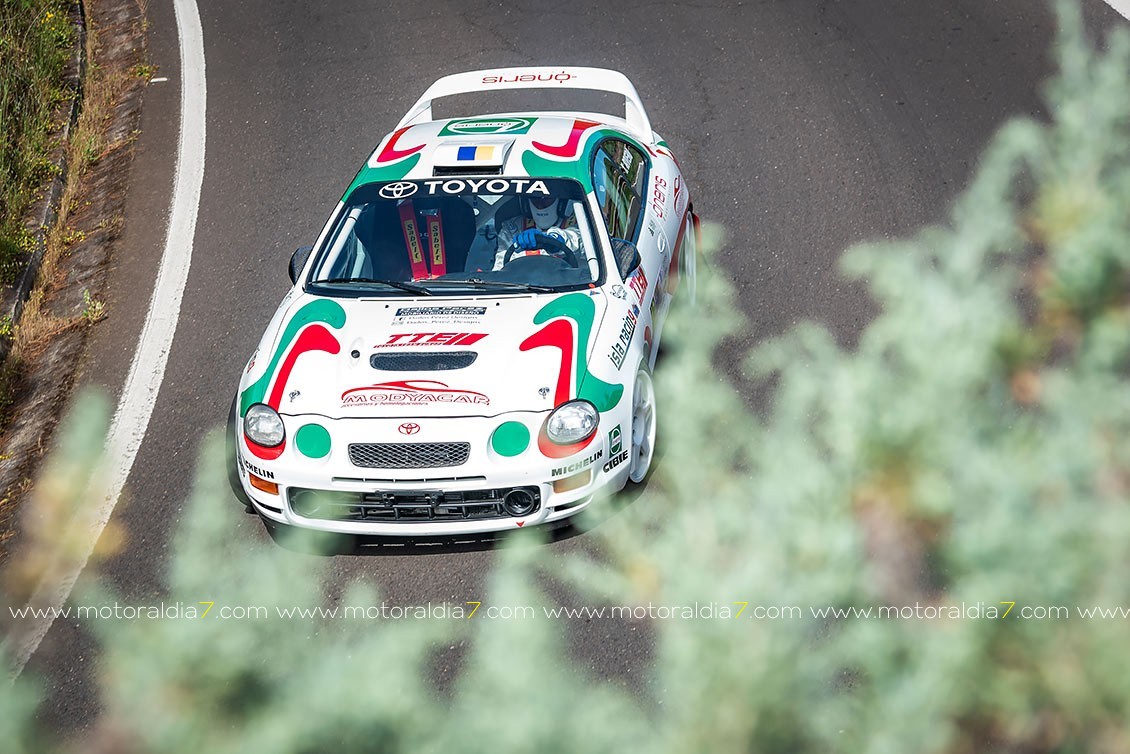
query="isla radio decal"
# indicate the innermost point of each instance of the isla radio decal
(305, 332)
(409, 393)
(627, 330)
(568, 322)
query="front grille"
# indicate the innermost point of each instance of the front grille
(408, 455)
(415, 361)
(406, 506)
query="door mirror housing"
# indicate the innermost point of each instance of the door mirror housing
(298, 261)
(627, 257)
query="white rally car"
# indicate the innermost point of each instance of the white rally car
(468, 345)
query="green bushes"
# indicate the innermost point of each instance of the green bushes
(35, 39)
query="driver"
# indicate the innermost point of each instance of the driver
(547, 216)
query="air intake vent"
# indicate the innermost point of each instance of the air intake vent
(421, 361)
(409, 455)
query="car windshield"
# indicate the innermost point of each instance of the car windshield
(444, 235)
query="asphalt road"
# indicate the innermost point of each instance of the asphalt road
(804, 126)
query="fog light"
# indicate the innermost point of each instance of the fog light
(519, 502)
(574, 482)
(263, 485)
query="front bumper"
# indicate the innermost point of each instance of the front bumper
(333, 494)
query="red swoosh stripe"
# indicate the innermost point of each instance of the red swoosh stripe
(390, 152)
(557, 334)
(569, 148)
(313, 338)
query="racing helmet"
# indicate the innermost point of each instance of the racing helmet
(545, 211)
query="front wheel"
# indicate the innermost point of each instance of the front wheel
(643, 425)
(231, 437)
(688, 259)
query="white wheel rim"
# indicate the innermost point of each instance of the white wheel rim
(643, 426)
(690, 262)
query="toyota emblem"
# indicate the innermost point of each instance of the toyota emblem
(409, 428)
(398, 190)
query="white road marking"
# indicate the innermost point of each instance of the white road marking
(139, 394)
(1122, 6)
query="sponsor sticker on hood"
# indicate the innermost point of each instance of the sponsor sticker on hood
(439, 315)
(409, 393)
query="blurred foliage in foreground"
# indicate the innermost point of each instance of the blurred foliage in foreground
(971, 450)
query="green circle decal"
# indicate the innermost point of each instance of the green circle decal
(312, 440)
(510, 439)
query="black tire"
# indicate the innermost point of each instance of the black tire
(231, 462)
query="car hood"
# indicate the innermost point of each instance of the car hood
(361, 358)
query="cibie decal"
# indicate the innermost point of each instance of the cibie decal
(435, 315)
(627, 330)
(615, 461)
(577, 465)
(408, 428)
(559, 78)
(480, 126)
(615, 440)
(409, 393)
(398, 190)
(431, 339)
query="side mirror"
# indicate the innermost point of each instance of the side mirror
(627, 257)
(298, 261)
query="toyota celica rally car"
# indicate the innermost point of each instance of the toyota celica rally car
(468, 345)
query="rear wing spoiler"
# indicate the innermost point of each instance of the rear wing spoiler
(497, 79)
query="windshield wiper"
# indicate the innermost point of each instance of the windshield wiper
(409, 287)
(480, 283)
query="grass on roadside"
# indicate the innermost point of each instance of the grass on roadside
(89, 144)
(35, 42)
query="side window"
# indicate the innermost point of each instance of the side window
(619, 173)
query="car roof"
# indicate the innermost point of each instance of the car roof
(539, 144)
(546, 145)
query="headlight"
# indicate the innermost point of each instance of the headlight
(572, 422)
(263, 426)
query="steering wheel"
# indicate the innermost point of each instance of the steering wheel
(549, 243)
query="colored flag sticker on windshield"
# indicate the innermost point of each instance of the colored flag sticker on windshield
(476, 154)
